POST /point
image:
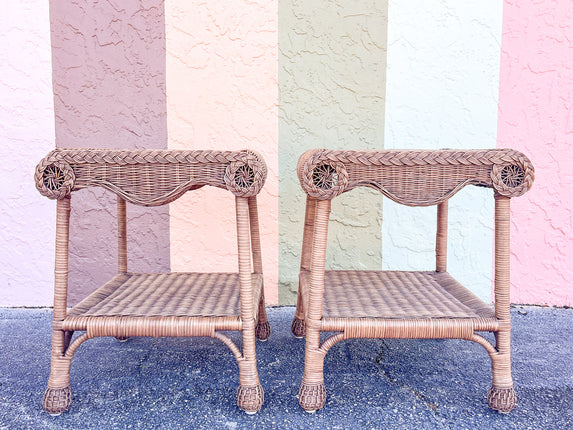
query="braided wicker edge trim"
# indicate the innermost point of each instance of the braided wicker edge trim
(142, 156)
(498, 159)
(65, 158)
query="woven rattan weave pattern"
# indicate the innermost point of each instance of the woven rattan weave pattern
(390, 304)
(167, 304)
(396, 295)
(149, 177)
(164, 294)
(414, 178)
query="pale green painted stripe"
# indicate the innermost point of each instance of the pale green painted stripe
(332, 83)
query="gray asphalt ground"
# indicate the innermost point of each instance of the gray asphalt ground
(372, 384)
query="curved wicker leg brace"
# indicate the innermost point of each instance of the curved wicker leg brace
(263, 330)
(298, 328)
(250, 399)
(312, 396)
(502, 399)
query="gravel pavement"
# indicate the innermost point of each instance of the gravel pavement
(168, 383)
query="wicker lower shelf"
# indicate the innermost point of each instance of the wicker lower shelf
(408, 305)
(173, 304)
(391, 299)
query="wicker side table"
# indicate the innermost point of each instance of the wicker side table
(392, 304)
(169, 304)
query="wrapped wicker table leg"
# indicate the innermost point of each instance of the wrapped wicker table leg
(164, 304)
(391, 304)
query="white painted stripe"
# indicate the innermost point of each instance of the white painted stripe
(442, 92)
(27, 220)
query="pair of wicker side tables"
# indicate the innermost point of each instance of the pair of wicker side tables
(352, 304)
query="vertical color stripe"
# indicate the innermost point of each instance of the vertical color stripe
(332, 73)
(535, 116)
(442, 86)
(109, 91)
(27, 220)
(222, 94)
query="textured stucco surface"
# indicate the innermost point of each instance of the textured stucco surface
(27, 220)
(442, 92)
(332, 80)
(536, 117)
(222, 94)
(109, 92)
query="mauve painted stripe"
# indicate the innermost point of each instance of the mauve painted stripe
(109, 92)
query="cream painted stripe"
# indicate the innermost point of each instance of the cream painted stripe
(442, 92)
(222, 94)
(27, 220)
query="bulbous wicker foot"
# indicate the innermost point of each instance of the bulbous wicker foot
(298, 328)
(311, 396)
(250, 399)
(121, 338)
(57, 400)
(502, 399)
(263, 331)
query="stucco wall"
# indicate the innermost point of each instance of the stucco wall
(332, 79)
(222, 94)
(442, 89)
(215, 86)
(536, 117)
(27, 220)
(109, 92)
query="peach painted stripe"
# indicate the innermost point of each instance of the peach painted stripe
(535, 105)
(222, 94)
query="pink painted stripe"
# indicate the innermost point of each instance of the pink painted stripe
(536, 117)
(27, 220)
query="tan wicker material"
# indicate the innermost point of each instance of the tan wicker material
(414, 178)
(158, 304)
(135, 299)
(393, 304)
(149, 177)
(396, 295)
